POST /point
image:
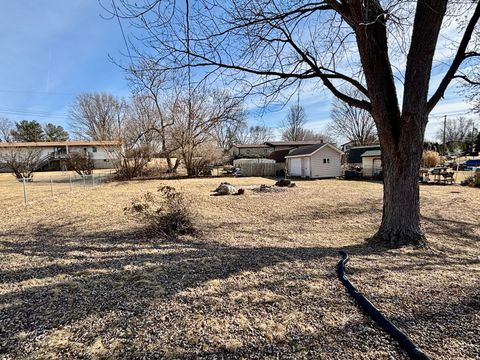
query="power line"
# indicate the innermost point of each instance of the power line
(121, 29)
(8, 91)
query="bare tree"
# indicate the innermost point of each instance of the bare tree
(268, 46)
(256, 134)
(310, 135)
(459, 129)
(21, 161)
(352, 123)
(196, 117)
(6, 128)
(150, 91)
(98, 116)
(227, 133)
(294, 124)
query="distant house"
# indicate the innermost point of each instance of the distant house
(315, 161)
(250, 151)
(53, 154)
(354, 154)
(371, 163)
(368, 158)
(271, 149)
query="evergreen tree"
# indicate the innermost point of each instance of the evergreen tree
(55, 133)
(28, 131)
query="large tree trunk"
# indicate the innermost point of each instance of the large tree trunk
(400, 131)
(401, 200)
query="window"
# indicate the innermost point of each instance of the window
(326, 161)
(94, 149)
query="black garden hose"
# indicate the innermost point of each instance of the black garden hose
(412, 349)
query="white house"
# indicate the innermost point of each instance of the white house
(315, 161)
(371, 163)
(52, 154)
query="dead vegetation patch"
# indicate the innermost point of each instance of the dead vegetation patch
(79, 279)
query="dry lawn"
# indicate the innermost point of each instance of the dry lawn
(79, 280)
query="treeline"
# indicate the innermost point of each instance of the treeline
(30, 131)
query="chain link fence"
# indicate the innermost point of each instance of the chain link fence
(44, 185)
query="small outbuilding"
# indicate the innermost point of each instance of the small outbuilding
(315, 161)
(372, 163)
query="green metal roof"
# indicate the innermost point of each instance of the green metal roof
(355, 153)
(372, 153)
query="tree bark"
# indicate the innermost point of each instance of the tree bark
(400, 133)
(401, 199)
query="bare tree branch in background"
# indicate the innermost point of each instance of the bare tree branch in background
(228, 133)
(6, 128)
(294, 124)
(311, 135)
(256, 134)
(150, 92)
(352, 124)
(458, 129)
(97, 116)
(196, 118)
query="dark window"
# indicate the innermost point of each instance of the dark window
(326, 161)
(94, 149)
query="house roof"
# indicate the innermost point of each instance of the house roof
(279, 155)
(372, 153)
(355, 153)
(292, 143)
(58, 143)
(310, 150)
(242, 146)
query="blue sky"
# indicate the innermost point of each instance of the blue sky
(53, 50)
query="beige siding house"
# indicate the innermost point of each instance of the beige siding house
(371, 163)
(250, 151)
(53, 154)
(315, 161)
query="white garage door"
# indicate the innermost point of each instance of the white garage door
(295, 167)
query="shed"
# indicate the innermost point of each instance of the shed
(372, 163)
(315, 161)
(354, 154)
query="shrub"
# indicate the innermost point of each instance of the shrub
(430, 158)
(132, 162)
(472, 181)
(22, 162)
(166, 213)
(80, 162)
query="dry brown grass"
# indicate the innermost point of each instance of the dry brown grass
(77, 279)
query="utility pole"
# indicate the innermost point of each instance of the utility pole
(444, 130)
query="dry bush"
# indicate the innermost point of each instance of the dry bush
(131, 162)
(430, 158)
(80, 162)
(166, 213)
(22, 162)
(472, 181)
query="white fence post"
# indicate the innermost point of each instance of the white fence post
(51, 185)
(93, 180)
(25, 196)
(70, 181)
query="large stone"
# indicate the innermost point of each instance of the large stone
(283, 182)
(225, 189)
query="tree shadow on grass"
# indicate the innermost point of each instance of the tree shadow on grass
(90, 276)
